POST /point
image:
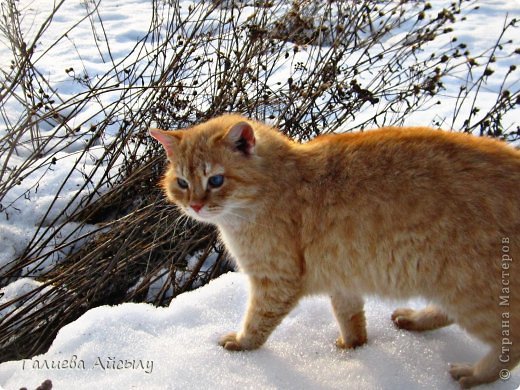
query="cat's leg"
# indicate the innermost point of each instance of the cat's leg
(348, 309)
(486, 370)
(269, 302)
(429, 318)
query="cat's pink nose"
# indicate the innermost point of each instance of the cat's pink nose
(197, 206)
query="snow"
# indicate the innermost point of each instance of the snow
(181, 340)
(143, 347)
(32, 207)
(17, 289)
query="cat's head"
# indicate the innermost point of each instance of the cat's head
(212, 175)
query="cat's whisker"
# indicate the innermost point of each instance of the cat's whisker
(249, 220)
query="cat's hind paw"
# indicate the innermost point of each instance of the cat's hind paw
(429, 318)
(350, 344)
(464, 374)
(403, 318)
(343, 345)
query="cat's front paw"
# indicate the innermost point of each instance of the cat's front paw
(230, 342)
(237, 342)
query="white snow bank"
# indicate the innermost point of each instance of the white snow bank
(176, 348)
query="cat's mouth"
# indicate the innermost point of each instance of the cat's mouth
(204, 213)
(217, 214)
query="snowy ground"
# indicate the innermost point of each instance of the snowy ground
(176, 348)
(181, 340)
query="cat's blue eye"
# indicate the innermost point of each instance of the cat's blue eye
(216, 181)
(182, 183)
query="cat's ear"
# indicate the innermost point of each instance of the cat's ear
(242, 137)
(168, 139)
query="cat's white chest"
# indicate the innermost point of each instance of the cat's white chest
(247, 250)
(235, 245)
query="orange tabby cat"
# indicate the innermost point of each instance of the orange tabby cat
(399, 212)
